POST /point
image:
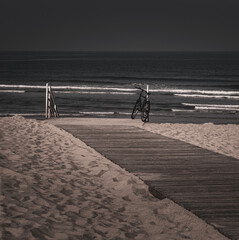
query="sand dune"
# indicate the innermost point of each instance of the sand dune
(53, 186)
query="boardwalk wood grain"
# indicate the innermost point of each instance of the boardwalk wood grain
(204, 182)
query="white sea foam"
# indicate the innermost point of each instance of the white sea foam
(21, 86)
(213, 106)
(182, 110)
(87, 92)
(97, 113)
(93, 88)
(207, 96)
(12, 91)
(216, 108)
(69, 87)
(193, 91)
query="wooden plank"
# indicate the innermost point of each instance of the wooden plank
(158, 153)
(146, 141)
(164, 158)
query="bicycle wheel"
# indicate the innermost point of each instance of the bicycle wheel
(135, 109)
(145, 112)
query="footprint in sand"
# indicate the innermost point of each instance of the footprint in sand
(126, 198)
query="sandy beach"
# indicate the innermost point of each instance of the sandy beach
(53, 186)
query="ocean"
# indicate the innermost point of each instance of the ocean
(187, 87)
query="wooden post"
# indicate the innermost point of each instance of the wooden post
(49, 102)
(51, 108)
(53, 104)
(47, 92)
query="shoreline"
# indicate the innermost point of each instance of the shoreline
(180, 117)
(55, 187)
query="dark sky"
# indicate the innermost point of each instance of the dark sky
(120, 25)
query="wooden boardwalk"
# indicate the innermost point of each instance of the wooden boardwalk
(204, 182)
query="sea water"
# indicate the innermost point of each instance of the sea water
(184, 86)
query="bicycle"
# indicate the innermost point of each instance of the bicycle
(142, 105)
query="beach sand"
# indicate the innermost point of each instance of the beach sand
(53, 186)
